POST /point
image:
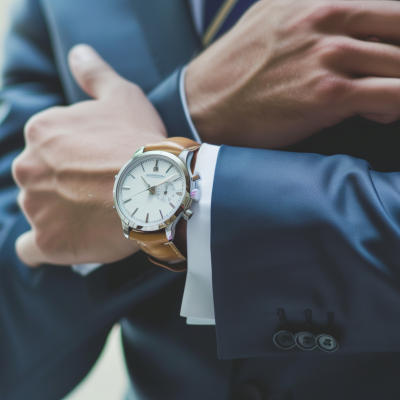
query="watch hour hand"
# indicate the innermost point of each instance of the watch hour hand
(152, 191)
(145, 181)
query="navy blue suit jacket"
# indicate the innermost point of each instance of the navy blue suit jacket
(290, 230)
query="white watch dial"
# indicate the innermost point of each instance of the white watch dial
(151, 190)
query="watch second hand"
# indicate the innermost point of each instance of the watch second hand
(157, 184)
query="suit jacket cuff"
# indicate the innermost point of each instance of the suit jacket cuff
(167, 99)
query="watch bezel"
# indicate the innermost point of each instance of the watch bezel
(185, 203)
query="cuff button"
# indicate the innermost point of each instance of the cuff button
(284, 340)
(327, 343)
(305, 341)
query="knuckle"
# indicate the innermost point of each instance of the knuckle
(327, 13)
(20, 170)
(332, 88)
(41, 123)
(338, 45)
(335, 49)
(27, 169)
(34, 128)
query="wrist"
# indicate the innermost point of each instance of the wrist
(213, 79)
(199, 99)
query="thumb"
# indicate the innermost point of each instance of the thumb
(27, 250)
(91, 72)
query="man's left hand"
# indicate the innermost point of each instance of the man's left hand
(66, 172)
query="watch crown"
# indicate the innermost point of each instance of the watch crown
(196, 177)
(187, 214)
(195, 194)
(116, 176)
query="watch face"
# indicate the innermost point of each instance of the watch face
(150, 190)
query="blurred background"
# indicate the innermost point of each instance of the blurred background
(108, 379)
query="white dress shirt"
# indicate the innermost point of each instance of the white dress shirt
(198, 299)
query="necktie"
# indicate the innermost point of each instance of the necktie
(221, 15)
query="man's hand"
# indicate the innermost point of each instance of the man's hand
(290, 68)
(66, 172)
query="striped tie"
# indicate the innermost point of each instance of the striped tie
(221, 15)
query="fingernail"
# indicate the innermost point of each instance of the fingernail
(82, 53)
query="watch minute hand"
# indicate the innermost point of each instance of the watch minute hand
(165, 180)
(157, 184)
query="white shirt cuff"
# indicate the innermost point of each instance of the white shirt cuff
(200, 321)
(198, 299)
(85, 269)
(182, 93)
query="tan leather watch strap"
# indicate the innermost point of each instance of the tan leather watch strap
(173, 145)
(160, 250)
(157, 246)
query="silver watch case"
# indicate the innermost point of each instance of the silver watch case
(183, 161)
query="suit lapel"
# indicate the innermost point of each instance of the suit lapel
(169, 31)
(144, 40)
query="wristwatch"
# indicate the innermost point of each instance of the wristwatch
(152, 192)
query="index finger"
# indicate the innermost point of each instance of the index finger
(361, 19)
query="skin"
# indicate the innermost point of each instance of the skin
(285, 71)
(290, 68)
(66, 172)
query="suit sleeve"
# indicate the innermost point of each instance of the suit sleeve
(30, 85)
(53, 322)
(299, 232)
(32, 346)
(166, 98)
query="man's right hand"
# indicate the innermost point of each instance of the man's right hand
(67, 170)
(290, 68)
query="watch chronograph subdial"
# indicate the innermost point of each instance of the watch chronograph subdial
(166, 192)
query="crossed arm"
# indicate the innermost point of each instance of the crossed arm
(68, 241)
(261, 94)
